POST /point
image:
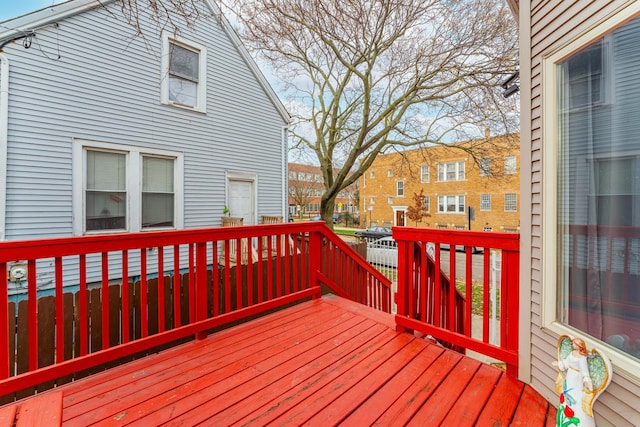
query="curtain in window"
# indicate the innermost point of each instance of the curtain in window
(599, 189)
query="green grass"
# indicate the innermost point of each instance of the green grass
(344, 231)
(476, 298)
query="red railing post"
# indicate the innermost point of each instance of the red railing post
(201, 285)
(403, 283)
(315, 253)
(4, 326)
(511, 267)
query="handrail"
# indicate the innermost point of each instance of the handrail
(420, 289)
(178, 284)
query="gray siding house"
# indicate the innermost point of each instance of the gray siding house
(580, 169)
(103, 131)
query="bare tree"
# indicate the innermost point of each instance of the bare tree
(369, 75)
(301, 191)
(363, 77)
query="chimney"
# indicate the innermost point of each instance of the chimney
(487, 132)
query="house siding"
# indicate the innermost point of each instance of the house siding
(552, 24)
(105, 87)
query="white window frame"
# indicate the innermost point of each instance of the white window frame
(389, 173)
(457, 204)
(515, 202)
(424, 173)
(485, 166)
(427, 204)
(134, 185)
(459, 171)
(510, 165)
(550, 109)
(167, 40)
(400, 188)
(485, 202)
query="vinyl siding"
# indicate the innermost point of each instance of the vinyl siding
(105, 86)
(552, 25)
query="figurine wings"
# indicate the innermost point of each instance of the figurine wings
(600, 371)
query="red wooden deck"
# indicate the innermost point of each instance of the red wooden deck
(324, 362)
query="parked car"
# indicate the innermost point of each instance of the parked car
(316, 218)
(373, 233)
(383, 251)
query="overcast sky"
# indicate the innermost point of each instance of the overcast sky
(12, 8)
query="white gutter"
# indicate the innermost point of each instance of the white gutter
(4, 135)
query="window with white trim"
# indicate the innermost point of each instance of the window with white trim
(453, 171)
(510, 202)
(485, 167)
(372, 174)
(451, 204)
(390, 200)
(389, 172)
(510, 165)
(400, 188)
(184, 73)
(424, 173)
(485, 202)
(592, 274)
(124, 188)
(427, 204)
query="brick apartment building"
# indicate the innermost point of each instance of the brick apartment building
(306, 186)
(451, 181)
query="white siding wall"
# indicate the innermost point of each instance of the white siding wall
(552, 25)
(106, 87)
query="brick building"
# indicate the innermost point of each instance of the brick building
(306, 186)
(451, 181)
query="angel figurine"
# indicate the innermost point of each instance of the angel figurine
(582, 377)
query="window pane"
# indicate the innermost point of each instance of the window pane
(183, 62)
(183, 91)
(105, 196)
(598, 186)
(157, 192)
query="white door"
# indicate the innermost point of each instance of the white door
(241, 200)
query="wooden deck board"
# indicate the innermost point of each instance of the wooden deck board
(326, 361)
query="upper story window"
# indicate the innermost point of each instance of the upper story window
(372, 174)
(451, 204)
(310, 177)
(184, 73)
(453, 171)
(318, 178)
(292, 175)
(300, 176)
(390, 200)
(389, 172)
(510, 165)
(400, 188)
(584, 77)
(424, 173)
(485, 167)
(427, 204)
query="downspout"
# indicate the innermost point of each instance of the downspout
(285, 172)
(4, 134)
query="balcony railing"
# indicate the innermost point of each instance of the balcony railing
(428, 304)
(91, 302)
(79, 314)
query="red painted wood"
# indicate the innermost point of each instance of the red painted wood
(502, 404)
(8, 415)
(165, 400)
(384, 397)
(33, 316)
(44, 410)
(440, 403)
(473, 399)
(161, 288)
(4, 327)
(125, 309)
(177, 312)
(59, 310)
(531, 411)
(352, 397)
(404, 408)
(144, 303)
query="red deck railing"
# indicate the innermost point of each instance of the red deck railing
(426, 302)
(177, 284)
